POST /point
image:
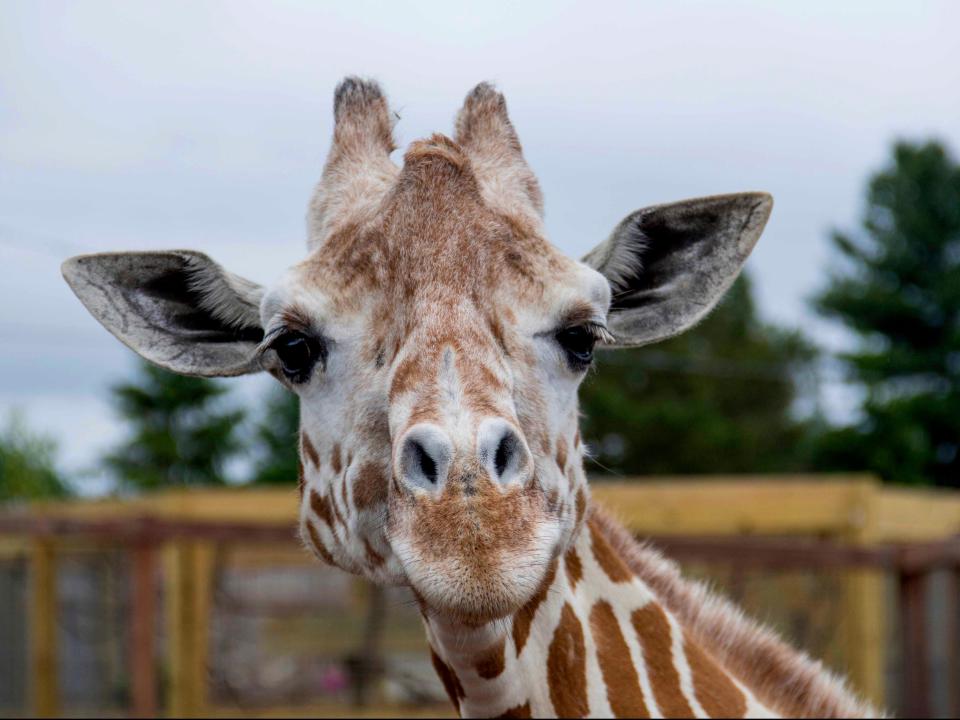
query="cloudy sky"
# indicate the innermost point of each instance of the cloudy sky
(203, 125)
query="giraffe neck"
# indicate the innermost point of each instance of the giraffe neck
(594, 641)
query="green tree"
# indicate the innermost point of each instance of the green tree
(718, 398)
(180, 435)
(897, 288)
(275, 439)
(27, 469)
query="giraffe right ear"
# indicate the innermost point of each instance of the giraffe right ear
(178, 309)
(668, 265)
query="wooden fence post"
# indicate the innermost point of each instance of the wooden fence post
(915, 659)
(864, 600)
(188, 588)
(143, 666)
(45, 690)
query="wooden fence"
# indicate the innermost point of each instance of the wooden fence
(850, 523)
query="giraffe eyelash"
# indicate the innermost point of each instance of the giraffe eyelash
(599, 332)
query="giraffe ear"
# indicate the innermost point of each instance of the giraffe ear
(668, 265)
(177, 309)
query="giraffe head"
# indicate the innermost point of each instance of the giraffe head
(436, 341)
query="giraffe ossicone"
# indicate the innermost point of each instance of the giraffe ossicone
(436, 341)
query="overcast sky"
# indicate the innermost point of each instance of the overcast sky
(204, 125)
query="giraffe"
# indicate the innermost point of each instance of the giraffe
(436, 341)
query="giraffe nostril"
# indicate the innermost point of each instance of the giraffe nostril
(427, 466)
(425, 456)
(504, 451)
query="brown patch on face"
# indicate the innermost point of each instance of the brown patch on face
(553, 500)
(522, 712)
(561, 453)
(301, 482)
(318, 545)
(309, 450)
(616, 665)
(612, 565)
(567, 667)
(524, 616)
(373, 557)
(576, 439)
(653, 631)
(451, 683)
(581, 505)
(406, 377)
(321, 507)
(335, 461)
(571, 562)
(714, 689)
(369, 486)
(491, 662)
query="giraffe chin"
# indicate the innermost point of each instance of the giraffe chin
(473, 586)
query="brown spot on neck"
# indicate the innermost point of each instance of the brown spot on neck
(451, 683)
(524, 617)
(581, 505)
(491, 662)
(571, 562)
(612, 565)
(522, 712)
(616, 665)
(653, 631)
(714, 689)
(567, 667)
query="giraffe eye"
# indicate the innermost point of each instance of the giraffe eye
(577, 342)
(298, 354)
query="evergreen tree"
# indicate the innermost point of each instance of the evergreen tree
(898, 289)
(275, 438)
(181, 434)
(716, 399)
(27, 469)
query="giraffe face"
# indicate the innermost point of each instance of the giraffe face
(437, 352)
(436, 341)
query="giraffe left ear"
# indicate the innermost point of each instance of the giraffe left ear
(668, 265)
(176, 308)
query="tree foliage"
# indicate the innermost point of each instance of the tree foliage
(715, 399)
(27, 469)
(898, 290)
(181, 435)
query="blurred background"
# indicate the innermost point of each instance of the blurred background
(800, 448)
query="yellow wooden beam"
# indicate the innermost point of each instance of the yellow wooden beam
(789, 505)
(917, 514)
(44, 686)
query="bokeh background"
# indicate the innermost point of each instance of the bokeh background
(203, 125)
